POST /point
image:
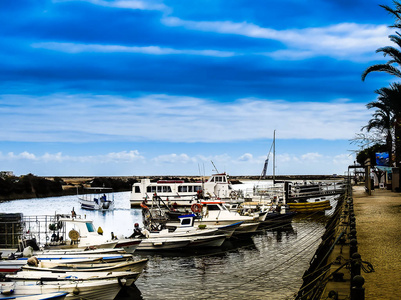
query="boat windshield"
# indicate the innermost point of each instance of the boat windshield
(90, 227)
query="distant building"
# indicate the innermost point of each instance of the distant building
(6, 174)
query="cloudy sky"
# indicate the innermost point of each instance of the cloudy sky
(131, 87)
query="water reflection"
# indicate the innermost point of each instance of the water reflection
(267, 265)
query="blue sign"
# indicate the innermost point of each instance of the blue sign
(382, 159)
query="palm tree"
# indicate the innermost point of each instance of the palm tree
(389, 99)
(388, 116)
(395, 55)
(383, 119)
(392, 52)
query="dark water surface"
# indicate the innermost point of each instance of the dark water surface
(267, 265)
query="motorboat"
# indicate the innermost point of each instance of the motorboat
(163, 243)
(91, 285)
(59, 257)
(181, 193)
(97, 198)
(207, 241)
(129, 244)
(187, 226)
(69, 232)
(214, 212)
(123, 266)
(311, 206)
(95, 289)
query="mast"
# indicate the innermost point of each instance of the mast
(274, 157)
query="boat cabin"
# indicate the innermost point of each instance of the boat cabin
(180, 192)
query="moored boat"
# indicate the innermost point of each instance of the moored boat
(134, 265)
(180, 193)
(310, 207)
(97, 198)
(94, 285)
(123, 266)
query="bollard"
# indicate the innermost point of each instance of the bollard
(352, 234)
(341, 240)
(357, 289)
(355, 264)
(353, 246)
(352, 225)
(333, 295)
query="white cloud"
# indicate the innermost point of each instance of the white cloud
(150, 50)
(311, 156)
(123, 156)
(127, 4)
(173, 159)
(77, 118)
(246, 157)
(349, 41)
(126, 162)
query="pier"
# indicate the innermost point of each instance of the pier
(359, 254)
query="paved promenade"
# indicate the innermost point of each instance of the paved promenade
(378, 224)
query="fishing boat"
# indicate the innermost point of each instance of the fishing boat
(10, 266)
(97, 198)
(179, 193)
(310, 206)
(207, 241)
(80, 252)
(47, 296)
(215, 213)
(123, 266)
(163, 244)
(186, 225)
(74, 232)
(68, 232)
(91, 285)
(95, 289)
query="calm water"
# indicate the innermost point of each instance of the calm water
(268, 265)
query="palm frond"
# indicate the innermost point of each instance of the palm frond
(381, 68)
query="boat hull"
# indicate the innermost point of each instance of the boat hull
(157, 244)
(99, 289)
(310, 207)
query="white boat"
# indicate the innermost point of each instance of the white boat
(129, 245)
(81, 252)
(97, 198)
(51, 276)
(67, 258)
(215, 213)
(95, 289)
(93, 285)
(207, 241)
(187, 226)
(157, 244)
(47, 296)
(81, 233)
(180, 193)
(123, 266)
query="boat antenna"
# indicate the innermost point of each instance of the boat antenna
(214, 167)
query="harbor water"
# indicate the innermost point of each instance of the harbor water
(267, 265)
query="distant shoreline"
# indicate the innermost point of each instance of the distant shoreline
(72, 185)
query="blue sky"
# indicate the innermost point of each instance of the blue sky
(122, 87)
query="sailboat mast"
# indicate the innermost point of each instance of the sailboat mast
(274, 157)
